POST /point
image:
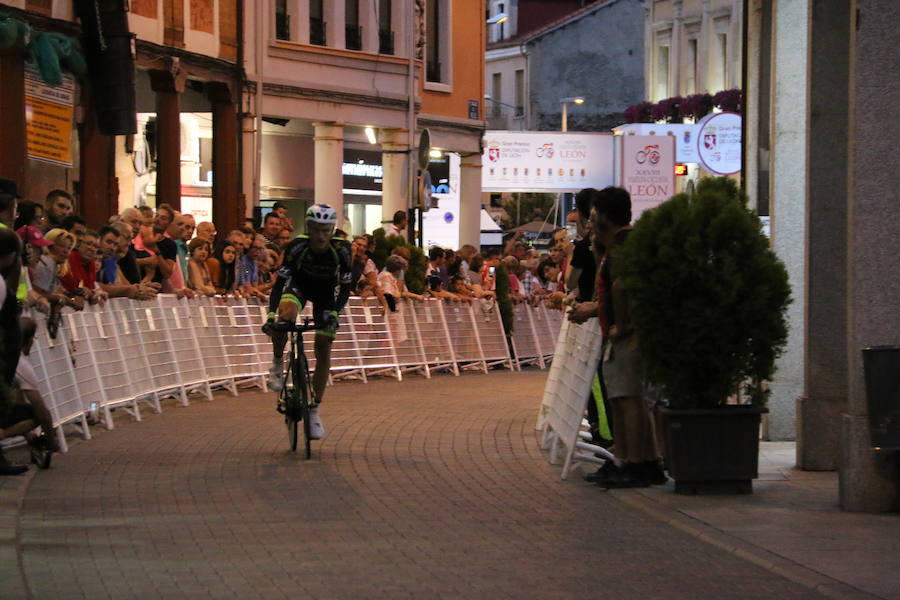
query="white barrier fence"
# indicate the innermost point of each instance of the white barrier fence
(566, 394)
(129, 354)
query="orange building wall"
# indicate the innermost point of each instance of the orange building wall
(468, 64)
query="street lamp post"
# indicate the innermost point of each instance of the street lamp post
(565, 113)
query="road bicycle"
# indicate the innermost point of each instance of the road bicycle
(296, 397)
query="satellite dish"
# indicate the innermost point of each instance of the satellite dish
(424, 149)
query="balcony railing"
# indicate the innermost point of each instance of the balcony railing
(353, 37)
(317, 31)
(282, 26)
(385, 41)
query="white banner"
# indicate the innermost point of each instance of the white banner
(685, 137)
(541, 161)
(648, 170)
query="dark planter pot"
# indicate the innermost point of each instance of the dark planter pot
(713, 451)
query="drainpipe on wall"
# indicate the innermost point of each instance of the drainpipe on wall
(411, 125)
(258, 65)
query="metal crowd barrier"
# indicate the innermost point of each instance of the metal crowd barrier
(130, 354)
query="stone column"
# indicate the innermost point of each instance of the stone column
(227, 212)
(818, 411)
(470, 200)
(870, 481)
(13, 150)
(788, 166)
(329, 156)
(369, 22)
(675, 49)
(394, 186)
(168, 137)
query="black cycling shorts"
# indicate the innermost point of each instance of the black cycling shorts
(324, 304)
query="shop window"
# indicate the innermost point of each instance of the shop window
(662, 72)
(520, 92)
(282, 21)
(496, 96)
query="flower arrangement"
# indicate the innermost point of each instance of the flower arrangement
(667, 110)
(639, 113)
(730, 100)
(696, 106)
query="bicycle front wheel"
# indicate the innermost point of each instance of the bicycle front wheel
(290, 397)
(303, 385)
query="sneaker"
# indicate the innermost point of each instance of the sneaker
(276, 376)
(631, 475)
(316, 428)
(604, 473)
(40, 451)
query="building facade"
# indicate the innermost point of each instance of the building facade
(340, 92)
(692, 46)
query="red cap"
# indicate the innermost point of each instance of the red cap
(33, 235)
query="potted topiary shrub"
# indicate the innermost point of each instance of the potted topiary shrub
(707, 297)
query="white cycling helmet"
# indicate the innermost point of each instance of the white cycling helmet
(322, 213)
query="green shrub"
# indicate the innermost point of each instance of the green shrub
(706, 295)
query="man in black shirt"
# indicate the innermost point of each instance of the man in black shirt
(582, 269)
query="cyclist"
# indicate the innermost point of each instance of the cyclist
(316, 268)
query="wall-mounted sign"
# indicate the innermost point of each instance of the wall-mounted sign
(517, 161)
(719, 143)
(48, 118)
(648, 170)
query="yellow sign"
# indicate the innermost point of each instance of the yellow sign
(48, 118)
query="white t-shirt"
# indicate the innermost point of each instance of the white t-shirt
(392, 229)
(388, 284)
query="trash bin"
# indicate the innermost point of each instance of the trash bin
(881, 366)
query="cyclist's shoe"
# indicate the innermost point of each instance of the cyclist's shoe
(316, 428)
(276, 376)
(280, 407)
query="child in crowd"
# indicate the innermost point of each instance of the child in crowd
(222, 270)
(199, 278)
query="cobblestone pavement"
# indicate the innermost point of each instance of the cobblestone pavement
(423, 489)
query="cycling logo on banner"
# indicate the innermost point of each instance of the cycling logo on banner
(650, 153)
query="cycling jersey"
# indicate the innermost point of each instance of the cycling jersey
(323, 279)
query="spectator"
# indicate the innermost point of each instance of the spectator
(239, 240)
(222, 268)
(280, 209)
(59, 205)
(271, 227)
(466, 252)
(435, 262)
(30, 214)
(207, 231)
(81, 275)
(362, 266)
(515, 288)
(389, 280)
(548, 275)
(46, 272)
(128, 262)
(248, 268)
(75, 225)
(474, 279)
(582, 269)
(436, 289)
(199, 278)
(398, 224)
(180, 232)
(26, 382)
(491, 262)
(34, 243)
(146, 215)
(114, 244)
(10, 272)
(509, 249)
(558, 256)
(168, 272)
(633, 426)
(283, 238)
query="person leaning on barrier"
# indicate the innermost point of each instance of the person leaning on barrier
(207, 231)
(34, 243)
(222, 269)
(46, 279)
(10, 271)
(26, 383)
(389, 280)
(363, 268)
(59, 205)
(316, 268)
(634, 436)
(80, 278)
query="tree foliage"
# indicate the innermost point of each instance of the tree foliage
(706, 296)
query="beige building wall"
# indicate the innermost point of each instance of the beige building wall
(692, 46)
(506, 83)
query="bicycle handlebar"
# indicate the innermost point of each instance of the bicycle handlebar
(308, 325)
